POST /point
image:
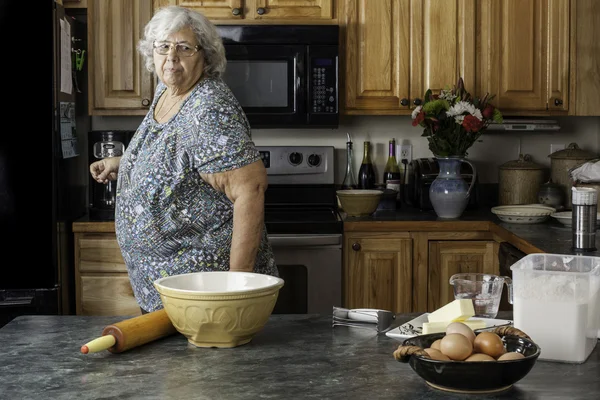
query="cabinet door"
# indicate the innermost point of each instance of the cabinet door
(378, 272)
(211, 9)
(119, 83)
(558, 55)
(101, 280)
(447, 258)
(524, 53)
(442, 46)
(294, 9)
(107, 294)
(375, 55)
(585, 61)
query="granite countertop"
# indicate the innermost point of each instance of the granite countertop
(549, 236)
(295, 356)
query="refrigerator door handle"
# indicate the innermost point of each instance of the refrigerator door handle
(17, 301)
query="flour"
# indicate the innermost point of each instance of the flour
(556, 302)
(560, 329)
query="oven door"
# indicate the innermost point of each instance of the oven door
(269, 83)
(311, 266)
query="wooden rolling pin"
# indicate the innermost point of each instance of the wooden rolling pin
(131, 333)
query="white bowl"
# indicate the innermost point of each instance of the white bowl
(523, 214)
(564, 217)
(218, 282)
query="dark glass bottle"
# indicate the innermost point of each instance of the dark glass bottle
(349, 179)
(391, 171)
(366, 173)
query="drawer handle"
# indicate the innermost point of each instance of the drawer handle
(260, 11)
(356, 246)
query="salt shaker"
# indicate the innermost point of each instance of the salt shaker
(585, 208)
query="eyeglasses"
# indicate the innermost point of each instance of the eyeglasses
(181, 49)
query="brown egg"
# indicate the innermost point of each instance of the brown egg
(513, 355)
(436, 344)
(436, 354)
(479, 357)
(463, 329)
(489, 343)
(456, 346)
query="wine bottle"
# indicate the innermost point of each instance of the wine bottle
(366, 172)
(391, 170)
(349, 179)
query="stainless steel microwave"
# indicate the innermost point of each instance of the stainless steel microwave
(284, 76)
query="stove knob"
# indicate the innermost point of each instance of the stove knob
(295, 158)
(314, 160)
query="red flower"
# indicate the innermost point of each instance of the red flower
(472, 124)
(488, 111)
(419, 118)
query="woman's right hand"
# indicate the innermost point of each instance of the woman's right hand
(105, 170)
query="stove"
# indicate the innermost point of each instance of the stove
(304, 227)
(301, 194)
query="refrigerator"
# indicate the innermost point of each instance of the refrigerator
(43, 170)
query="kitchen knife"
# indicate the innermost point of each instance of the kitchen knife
(131, 333)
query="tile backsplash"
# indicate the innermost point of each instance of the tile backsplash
(494, 149)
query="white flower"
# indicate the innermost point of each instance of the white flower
(463, 107)
(459, 119)
(416, 112)
(447, 95)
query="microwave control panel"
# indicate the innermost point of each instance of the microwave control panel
(324, 85)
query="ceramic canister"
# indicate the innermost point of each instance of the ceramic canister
(561, 162)
(519, 181)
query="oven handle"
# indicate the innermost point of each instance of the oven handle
(304, 240)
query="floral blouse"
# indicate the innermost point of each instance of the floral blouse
(168, 220)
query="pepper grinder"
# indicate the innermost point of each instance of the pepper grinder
(584, 214)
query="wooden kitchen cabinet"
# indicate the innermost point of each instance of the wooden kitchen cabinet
(585, 58)
(447, 258)
(442, 46)
(119, 83)
(378, 271)
(524, 54)
(101, 281)
(394, 50)
(259, 11)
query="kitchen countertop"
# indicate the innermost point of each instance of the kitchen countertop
(547, 237)
(295, 356)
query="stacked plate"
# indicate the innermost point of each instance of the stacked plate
(524, 214)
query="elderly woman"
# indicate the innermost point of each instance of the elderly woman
(190, 186)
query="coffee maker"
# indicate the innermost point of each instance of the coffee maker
(105, 144)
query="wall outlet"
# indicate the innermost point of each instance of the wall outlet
(556, 147)
(404, 151)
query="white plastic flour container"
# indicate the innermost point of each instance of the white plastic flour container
(556, 301)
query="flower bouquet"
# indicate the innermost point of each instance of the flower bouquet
(453, 120)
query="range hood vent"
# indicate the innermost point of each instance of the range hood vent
(518, 124)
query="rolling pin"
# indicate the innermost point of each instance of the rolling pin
(131, 333)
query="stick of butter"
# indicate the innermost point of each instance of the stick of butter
(457, 310)
(435, 327)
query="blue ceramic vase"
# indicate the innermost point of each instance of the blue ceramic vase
(449, 193)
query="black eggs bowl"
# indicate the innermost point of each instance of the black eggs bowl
(474, 376)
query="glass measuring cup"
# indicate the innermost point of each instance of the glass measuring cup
(484, 289)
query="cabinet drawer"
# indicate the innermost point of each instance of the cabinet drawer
(109, 294)
(99, 253)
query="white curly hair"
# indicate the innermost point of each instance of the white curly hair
(171, 19)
